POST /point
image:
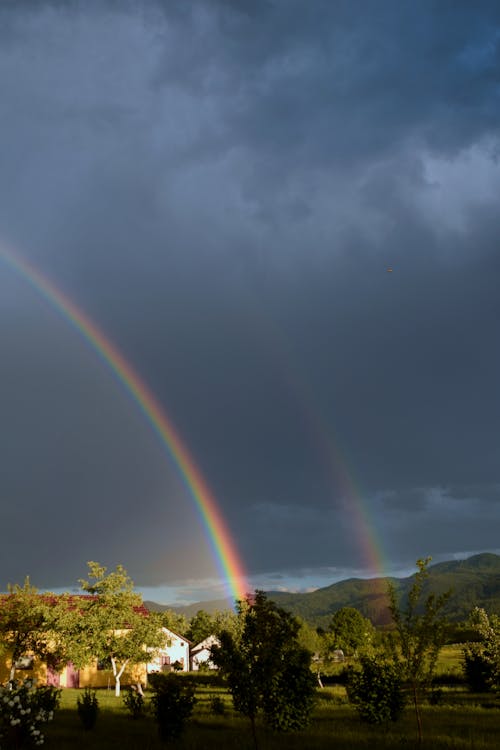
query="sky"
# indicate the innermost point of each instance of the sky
(285, 215)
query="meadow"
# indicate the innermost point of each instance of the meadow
(461, 721)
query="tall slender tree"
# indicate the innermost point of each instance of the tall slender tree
(421, 631)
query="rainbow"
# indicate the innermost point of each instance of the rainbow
(360, 524)
(221, 542)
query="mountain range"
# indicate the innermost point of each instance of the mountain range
(473, 582)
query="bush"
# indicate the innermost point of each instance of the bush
(217, 705)
(376, 691)
(23, 710)
(135, 703)
(196, 679)
(478, 671)
(88, 708)
(291, 695)
(172, 703)
(448, 679)
(47, 698)
(436, 697)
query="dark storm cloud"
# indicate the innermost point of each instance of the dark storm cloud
(330, 83)
(223, 186)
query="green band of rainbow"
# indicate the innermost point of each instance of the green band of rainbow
(217, 531)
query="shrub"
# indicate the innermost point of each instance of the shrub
(436, 697)
(23, 710)
(172, 702)
(217, 705)
(88, 708)
(478, 671)
(376, 691)
(47, 698)
(196, 679)
(452, 677)
(485, 655)
(291, 695)
(135, 703)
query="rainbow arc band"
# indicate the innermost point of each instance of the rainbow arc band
(221, 542)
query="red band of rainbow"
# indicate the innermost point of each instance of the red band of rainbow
(220, 539)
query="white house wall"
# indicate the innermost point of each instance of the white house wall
(178, 650)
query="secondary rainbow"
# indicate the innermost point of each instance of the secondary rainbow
(222, 544)
(360, 523)
(362, 526)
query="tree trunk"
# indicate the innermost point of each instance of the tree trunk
(117, 674)
(254, 733)
(417, 715)
(12, 672)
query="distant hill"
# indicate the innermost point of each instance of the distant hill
(474, 582)
(189, 610)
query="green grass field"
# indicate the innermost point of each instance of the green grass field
(450, 660)
(462, 721)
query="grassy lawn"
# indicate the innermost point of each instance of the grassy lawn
(450, 660)
(463, 721)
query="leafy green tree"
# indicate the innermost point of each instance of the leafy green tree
(308, 636)
(482, 659)
(267, 670)
(29, 624)
(376, 690)
(202, 625)
(174, 621)
(227, 620)
(311, 640)
(350, 631)
(421, 631)
(110, 625)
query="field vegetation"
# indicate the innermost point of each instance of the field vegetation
(463, 720)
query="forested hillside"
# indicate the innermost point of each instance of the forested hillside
(474, 582)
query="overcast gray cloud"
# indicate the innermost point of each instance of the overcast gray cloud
(223, 187)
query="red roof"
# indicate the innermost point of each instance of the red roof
(50, 598)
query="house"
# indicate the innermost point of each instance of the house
(98, 674)
(173, 656)
(200, 654)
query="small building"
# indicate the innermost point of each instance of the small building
(173, 656)
(200, 654)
